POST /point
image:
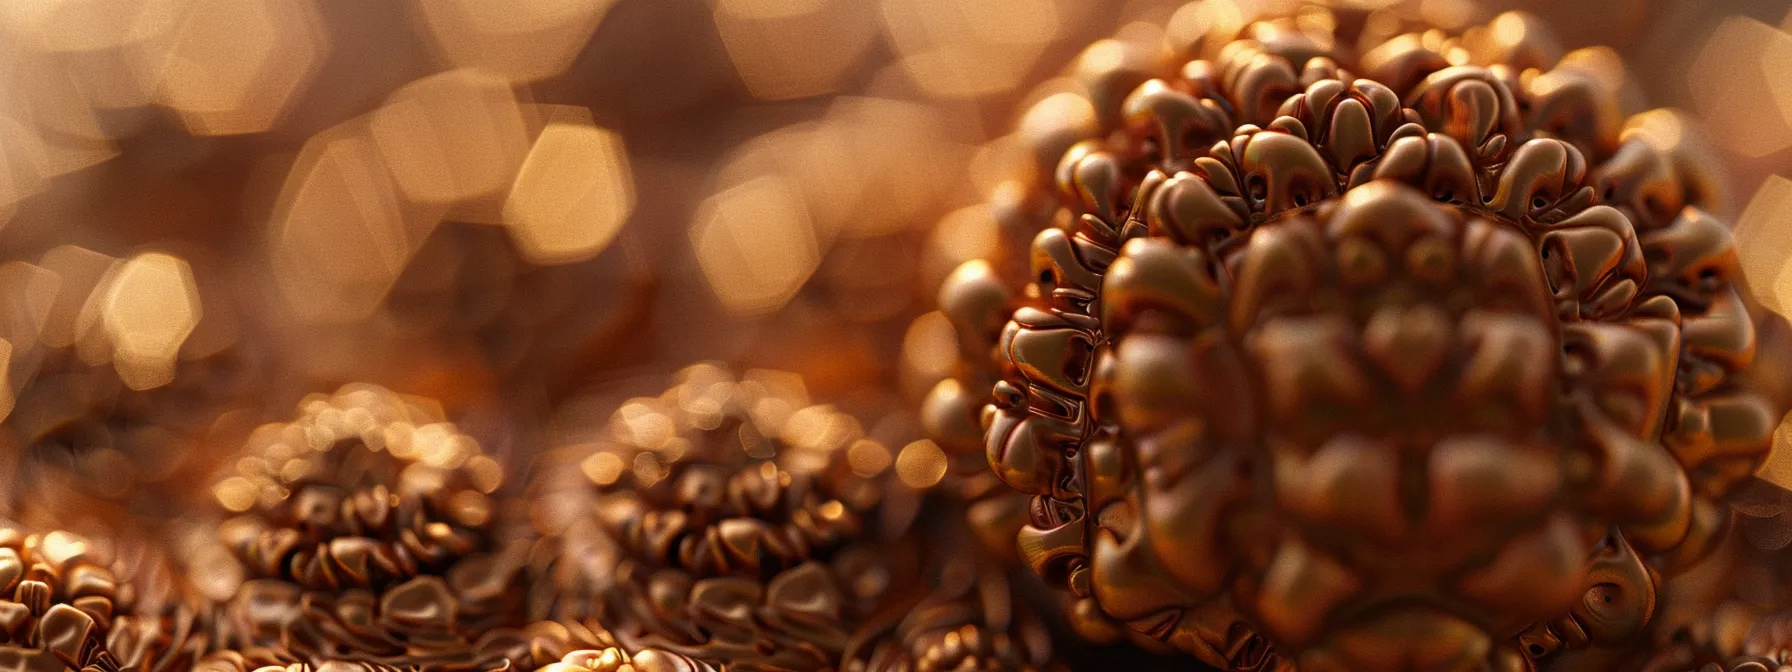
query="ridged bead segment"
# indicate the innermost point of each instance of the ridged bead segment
(368, 532)
(733, 521)
(1412, 355)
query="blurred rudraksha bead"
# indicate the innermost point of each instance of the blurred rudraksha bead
(732, 521)
(368, 534)
(59, 600)
(720, 498)
(161, 623)
(970, 620)
(1733, 609)
(89, 447)
(1437, 369)
(1733, 638)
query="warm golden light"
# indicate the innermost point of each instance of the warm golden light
(755, 245)
(930, 347)
(969, 48)
(234, 65)
(572, 195)
(521, 41)
(24, 165)
(1740, 81)
(78, 270)
(8, 396)
(235, 493)
(603, 468)
(868, 458)
(1055, 123)
(26, 314)
(1777, 469)
(150, 308)
(965, 234)
(452, 137)
(1764, 243)
(340, 236)
(1196, 24)
(786, 49)
(921, 464)
(800, 313)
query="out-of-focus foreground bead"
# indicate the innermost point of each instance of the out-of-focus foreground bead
(735, 521)
(367, 532)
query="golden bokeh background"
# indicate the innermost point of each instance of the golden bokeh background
(524, 208)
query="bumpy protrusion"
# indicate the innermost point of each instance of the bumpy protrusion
(58, 605)
(1427, 364)
(733, 521)
(367, 532)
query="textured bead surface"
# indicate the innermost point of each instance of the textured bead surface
(59, 601)
(731, 520)
(367, 534)
(1407, 356)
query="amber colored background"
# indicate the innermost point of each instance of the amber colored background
(525, 208)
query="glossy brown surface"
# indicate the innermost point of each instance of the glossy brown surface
(367, 534)
(732, 520)
(59, 603)
(1433, 369)
(1266, 335)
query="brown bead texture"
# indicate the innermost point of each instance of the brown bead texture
(732, 521)
(367, 534)
(723, 498)
(58, 602)
(1414, 359)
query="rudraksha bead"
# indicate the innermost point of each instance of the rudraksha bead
(1407, 355)
(733, 522)
(368, 533)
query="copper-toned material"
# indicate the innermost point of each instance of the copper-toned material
(733, 521)
(967, 620)
(368, 535)
(160, 622)
(1272, 336)
(1731, 609)
(1409, 359)
(707, 506)
(617, 660)
(84, 439)
(60, 599)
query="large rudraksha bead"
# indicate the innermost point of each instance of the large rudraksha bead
(367, 534)
(1407, 355)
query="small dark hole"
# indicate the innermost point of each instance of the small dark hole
(1610, 193)
(1536, 649)
(1300, 200)
(1538, 203)
(1607, 598)
(1045, 277)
